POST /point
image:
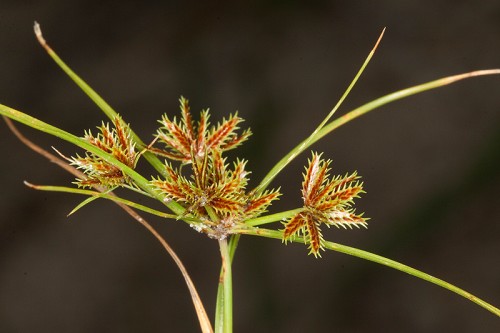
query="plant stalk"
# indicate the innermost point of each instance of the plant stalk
(224, 317)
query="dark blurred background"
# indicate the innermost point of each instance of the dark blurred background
(430, 162)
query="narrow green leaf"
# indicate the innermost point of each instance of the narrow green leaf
(309, 140)
(108, 196)
(379, 260)
(397, 96)
(83, 203)
(323, 130)
(96, 98)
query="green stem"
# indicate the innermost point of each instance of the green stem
(219, 306)
(272, 217)
(382, 261)
(233, 244)
(224, 320)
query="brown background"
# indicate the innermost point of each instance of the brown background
(430, 163)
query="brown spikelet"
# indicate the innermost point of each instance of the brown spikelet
(257, 205)
(223, 132)
(202, 130)
(176, 139)
(314, 235)
(186, 118)
(347, 194)
(311, 172)
(236, 140)
(293, 226)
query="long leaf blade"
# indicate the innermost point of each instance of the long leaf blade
(95, 97)
(379, 260)
(142, 182)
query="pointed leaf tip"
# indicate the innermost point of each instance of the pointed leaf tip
(38, 33)
(25, 182)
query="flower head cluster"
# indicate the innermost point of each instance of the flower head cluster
(116, 142)
(326, 201)
(184, 141)
(210, 189)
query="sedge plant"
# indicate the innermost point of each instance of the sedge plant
(199, 186)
